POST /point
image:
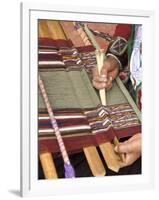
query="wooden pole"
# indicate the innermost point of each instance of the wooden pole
(106, 148)
(48, 165)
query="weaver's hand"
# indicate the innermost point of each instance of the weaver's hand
(131, 148)
(108, 73)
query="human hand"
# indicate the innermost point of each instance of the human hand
(108, 73)
(131, 148)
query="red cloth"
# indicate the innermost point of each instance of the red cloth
(77, 143)
(123, 30)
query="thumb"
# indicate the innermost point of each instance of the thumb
(129, 147)
(123, 148)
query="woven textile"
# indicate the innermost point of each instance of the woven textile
(63, 65)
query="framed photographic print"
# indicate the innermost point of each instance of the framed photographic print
(87, 96)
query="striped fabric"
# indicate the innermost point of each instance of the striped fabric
(88, 126)
(51, 56)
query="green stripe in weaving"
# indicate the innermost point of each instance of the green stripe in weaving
(69, 90)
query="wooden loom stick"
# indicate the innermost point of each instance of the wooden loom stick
(43, 30)
(94, 161)
(69, 171)
(48, 165)
(106, 148)
(55, 29)
(100, 61)
(102, 92)
(91, 37)
(91, 153)
(103, 100)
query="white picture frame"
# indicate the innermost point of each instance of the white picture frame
(30, 185)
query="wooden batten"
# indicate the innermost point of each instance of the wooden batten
(94, 161)
(107, 148)
(43, 30)
(55, 30)
(48, 165)
(110, 157)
